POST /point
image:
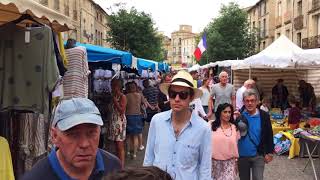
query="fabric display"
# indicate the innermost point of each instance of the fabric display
(282, 144)
(27, 69)
(75, 80)
(102, 81)
(6, 168)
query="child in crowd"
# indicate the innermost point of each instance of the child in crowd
(294, 113)
(265, 104)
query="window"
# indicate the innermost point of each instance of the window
(253, 24)
(278, 35)
(66, 7)
(299, 8)
(299, 39)
(44, 2)
(288, 5)
(264, 28)
(56, 5)
(288, 33)
(263, 45)
(279, 9)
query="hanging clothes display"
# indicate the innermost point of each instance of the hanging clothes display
(62, 50)
(32, 138)
(75, 80)
(28, 69)
(6, 168)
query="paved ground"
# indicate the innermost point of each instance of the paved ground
(281, 168)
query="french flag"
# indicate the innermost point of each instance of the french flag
(202, 46)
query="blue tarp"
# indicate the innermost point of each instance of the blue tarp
(146, 64)
(164, 67)
(98, 53)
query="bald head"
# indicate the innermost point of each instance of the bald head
(249, 84)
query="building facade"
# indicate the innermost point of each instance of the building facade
(299, 20)
(88, 19)
(261, 18)
(183, 43)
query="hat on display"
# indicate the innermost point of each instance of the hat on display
(75, 111)
(184, 79)
(242, 123)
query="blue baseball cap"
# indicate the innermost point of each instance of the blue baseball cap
(75, 111)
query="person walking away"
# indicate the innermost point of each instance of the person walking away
(222, 92)
(256, 145)
(205, 94)
(179, 141)
(151, 94)
(75, 133)
(225, 138)
(118, 122)
(134, 117)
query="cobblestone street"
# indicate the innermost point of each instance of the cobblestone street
(281, 168)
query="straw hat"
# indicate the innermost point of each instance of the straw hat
(182, 78)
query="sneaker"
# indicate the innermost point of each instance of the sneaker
(134, 156)
(141, 148)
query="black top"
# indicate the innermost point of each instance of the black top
(44, 170)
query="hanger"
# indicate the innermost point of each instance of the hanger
(26, 17)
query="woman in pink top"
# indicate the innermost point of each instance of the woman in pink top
(225, 138)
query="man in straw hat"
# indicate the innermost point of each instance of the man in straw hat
(179, 141)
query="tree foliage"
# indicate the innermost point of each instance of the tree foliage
(134, 31)
(229, 35)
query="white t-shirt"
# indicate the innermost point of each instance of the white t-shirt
(205, 96)
(239, 97)
(198, 107)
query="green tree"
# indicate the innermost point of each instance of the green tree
(134, 31)
(229, 35)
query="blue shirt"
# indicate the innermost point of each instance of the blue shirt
(57, 168)
(246, 147)
(186, 157)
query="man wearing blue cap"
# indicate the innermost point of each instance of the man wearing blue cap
(75, 133)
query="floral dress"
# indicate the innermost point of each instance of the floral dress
(117, 124)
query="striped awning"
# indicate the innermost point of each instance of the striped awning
(13, 9)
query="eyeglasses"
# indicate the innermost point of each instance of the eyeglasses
(182, 94)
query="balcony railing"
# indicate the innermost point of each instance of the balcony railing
(312, 42)
(287, 17)
(315, 4)
(298, 22)
(278, 21)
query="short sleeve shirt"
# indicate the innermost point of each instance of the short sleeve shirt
(222, 94)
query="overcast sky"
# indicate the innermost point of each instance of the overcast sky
(169, 14)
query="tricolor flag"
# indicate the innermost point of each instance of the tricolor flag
(202, 46)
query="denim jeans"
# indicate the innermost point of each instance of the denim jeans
(251, 165)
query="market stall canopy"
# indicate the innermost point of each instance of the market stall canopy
(309, 58)
(147, 64)
(195, 67)
(12, 9)
(98, 54)
(277, 55)
(164, 67)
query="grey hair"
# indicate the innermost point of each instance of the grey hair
(222, 72)
(250, 92)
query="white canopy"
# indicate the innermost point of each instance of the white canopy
(13, 9)
(195, 67)
(277, 55)
(307, 58)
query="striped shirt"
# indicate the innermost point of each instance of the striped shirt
(151, 94)
(75, 80)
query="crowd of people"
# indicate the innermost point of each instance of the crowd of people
(210, 132)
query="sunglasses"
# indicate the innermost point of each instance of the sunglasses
(182, 94)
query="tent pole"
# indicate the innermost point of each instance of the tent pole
(250, 72)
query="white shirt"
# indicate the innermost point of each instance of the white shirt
(239, 97)
(205, 96)
(198, 107)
